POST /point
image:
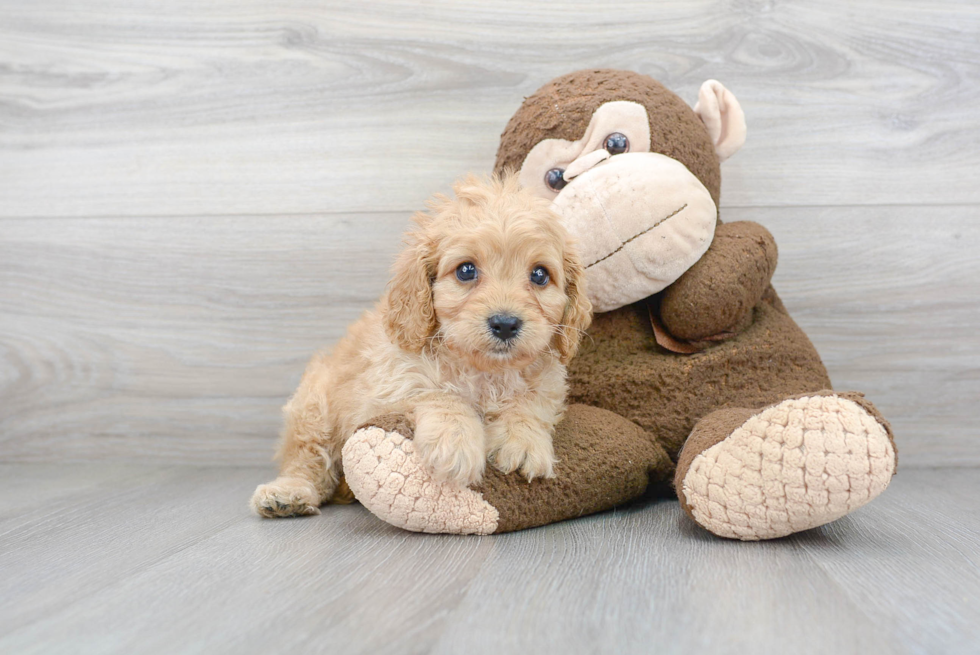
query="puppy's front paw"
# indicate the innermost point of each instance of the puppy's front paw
(519, 446)
(285, 497)
(452, 451)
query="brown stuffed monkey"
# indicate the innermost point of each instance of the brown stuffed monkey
(693, 377)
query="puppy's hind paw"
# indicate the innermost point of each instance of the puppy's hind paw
(285, 497)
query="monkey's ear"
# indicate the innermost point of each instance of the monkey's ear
(723, 116)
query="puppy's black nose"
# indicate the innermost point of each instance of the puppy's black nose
(504, 326)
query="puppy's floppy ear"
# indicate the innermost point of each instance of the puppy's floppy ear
(578, 309)
(409, 317)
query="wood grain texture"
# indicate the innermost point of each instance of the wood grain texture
(90, 541)
(193, 198)
(176, 564)
(926, 544)
(890, 296)
(179, 339)
(302, 106)
(158, 337)
(43, 488)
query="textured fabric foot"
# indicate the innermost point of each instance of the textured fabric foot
(385, 473)
(793, 466)
(604, 460)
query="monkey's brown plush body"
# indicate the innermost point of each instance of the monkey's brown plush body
(694, 379)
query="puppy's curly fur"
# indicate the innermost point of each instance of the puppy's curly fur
(428, 349)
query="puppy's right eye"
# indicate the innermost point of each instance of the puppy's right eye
(466, 272)
(554, 179)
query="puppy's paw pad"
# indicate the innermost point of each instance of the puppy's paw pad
(507, 458)
(534, 458)
(461, 465)
(538, 466)
(285, 497)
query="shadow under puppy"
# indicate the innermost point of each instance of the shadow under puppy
(485, 307)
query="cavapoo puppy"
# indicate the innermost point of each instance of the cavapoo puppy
(484, 309)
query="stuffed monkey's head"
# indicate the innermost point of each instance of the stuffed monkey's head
(632, 170)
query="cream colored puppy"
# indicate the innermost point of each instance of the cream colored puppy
(484, 309)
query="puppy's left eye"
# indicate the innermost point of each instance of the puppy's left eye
(466, 272)
(539, 276)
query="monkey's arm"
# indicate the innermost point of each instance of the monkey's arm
(717, 294)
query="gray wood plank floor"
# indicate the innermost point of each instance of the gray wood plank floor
(168, 559)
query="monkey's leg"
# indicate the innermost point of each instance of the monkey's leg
(806, 461)
(604, 460)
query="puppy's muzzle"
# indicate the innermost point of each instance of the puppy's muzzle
(504, 326)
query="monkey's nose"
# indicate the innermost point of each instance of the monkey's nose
(584, 163)
(504, 326)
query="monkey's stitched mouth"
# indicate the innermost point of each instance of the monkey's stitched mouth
(640, 234)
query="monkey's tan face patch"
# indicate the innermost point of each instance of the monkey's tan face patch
(640, 218)
(627, 118)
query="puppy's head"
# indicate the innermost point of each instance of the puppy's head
(492, 276)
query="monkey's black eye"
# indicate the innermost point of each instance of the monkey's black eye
(466, 272)
(539, 276)
(554, 179)
(616, 143)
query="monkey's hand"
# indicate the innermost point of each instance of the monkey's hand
(716, 296)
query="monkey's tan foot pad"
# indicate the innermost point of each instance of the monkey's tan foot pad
(386, 475)
(793, 466)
